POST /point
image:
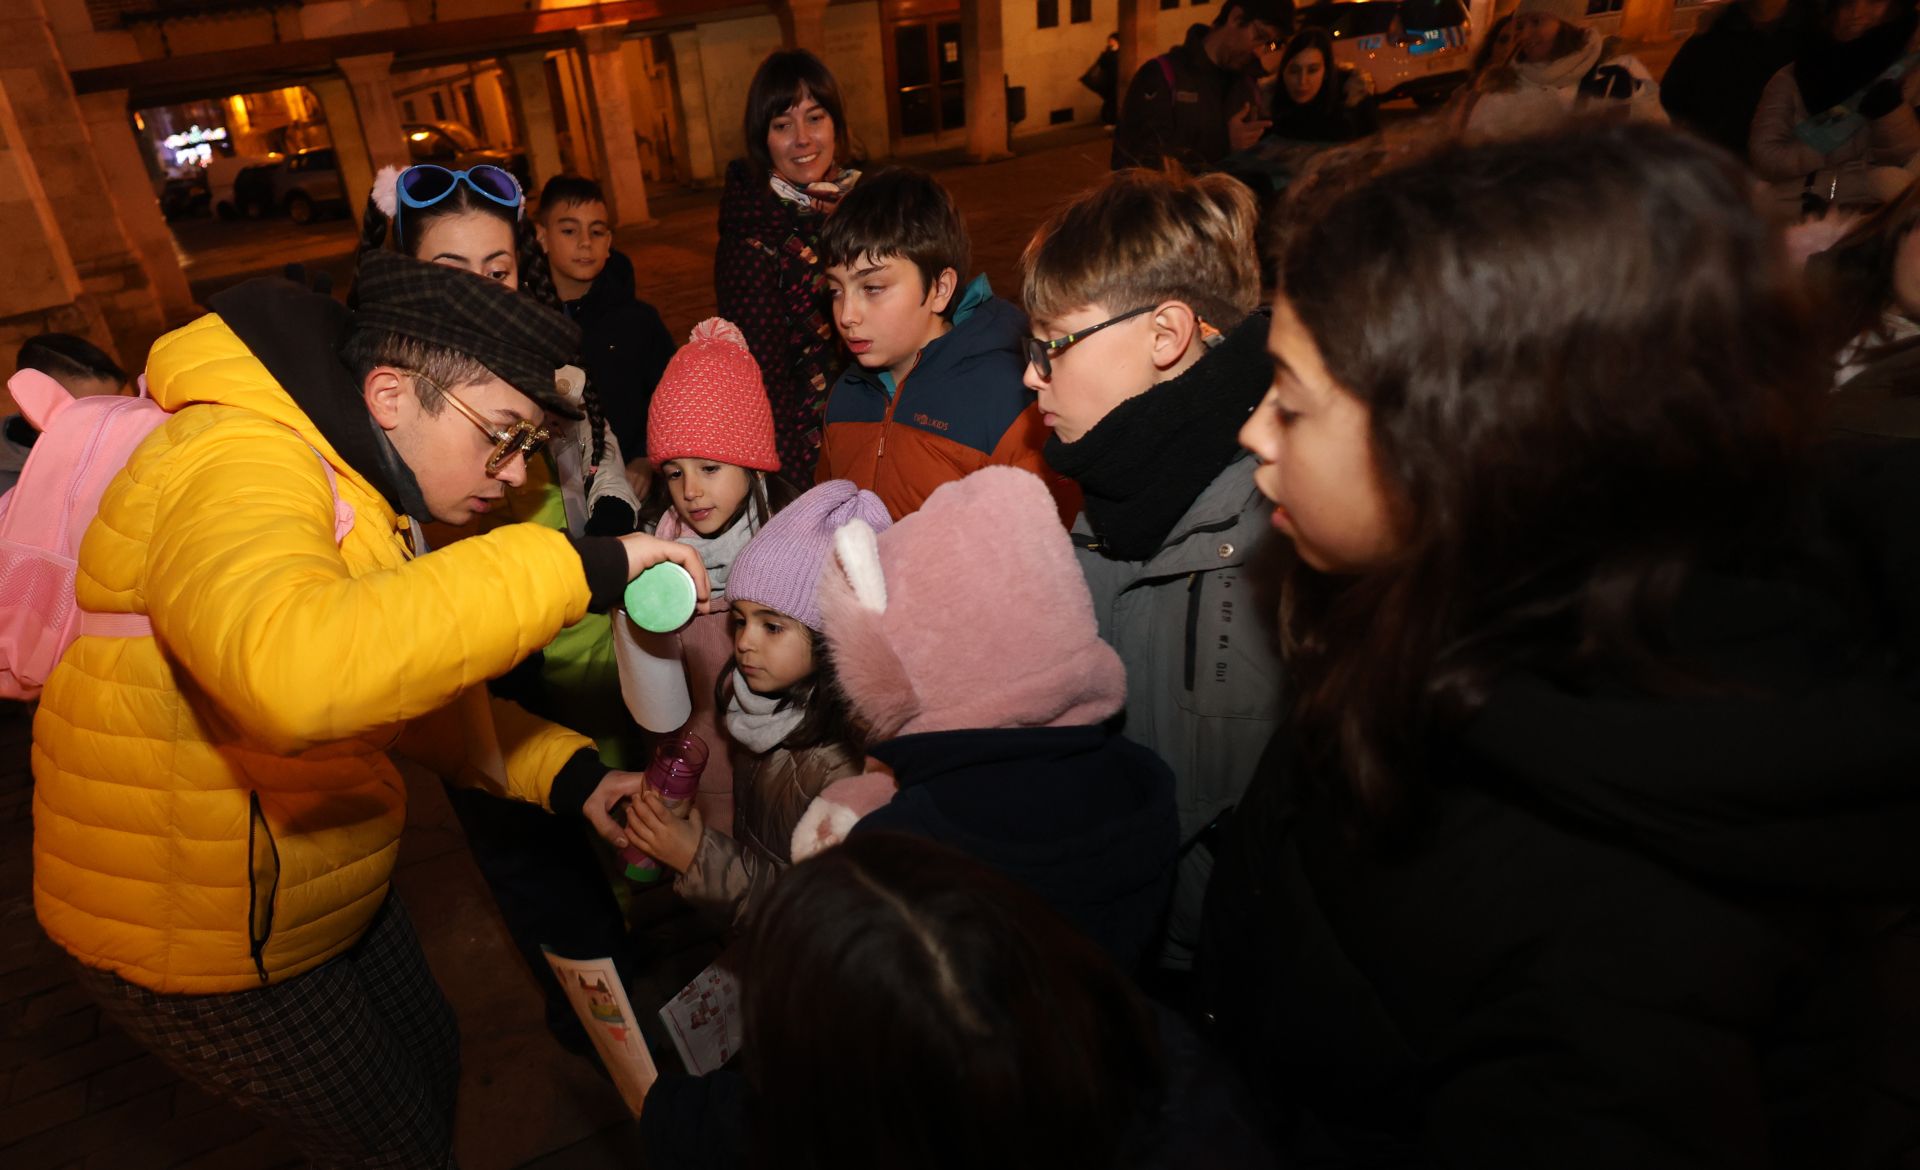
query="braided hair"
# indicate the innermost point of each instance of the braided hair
(535, 279)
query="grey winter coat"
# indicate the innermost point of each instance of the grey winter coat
(1203, 663)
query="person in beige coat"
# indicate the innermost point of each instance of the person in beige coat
(1839, 122)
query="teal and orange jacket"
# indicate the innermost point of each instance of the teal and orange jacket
(962, 408)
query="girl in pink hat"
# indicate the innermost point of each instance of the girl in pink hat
(710, 439)
(790, 730)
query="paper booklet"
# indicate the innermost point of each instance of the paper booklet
(594, 987)
(704, 1020)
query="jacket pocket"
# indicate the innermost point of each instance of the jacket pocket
(263, 883)
(1231, 664)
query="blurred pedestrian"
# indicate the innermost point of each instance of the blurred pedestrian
(1838, 125)
(1198, 102)
(1559, 67)
(1103, 78)
(1316, 99)
(1714, 84)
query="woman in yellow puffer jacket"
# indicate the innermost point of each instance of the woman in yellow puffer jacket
(216, 817)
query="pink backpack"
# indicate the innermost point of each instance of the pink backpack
(83, 444)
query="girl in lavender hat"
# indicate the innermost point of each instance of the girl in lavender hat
(788, 727)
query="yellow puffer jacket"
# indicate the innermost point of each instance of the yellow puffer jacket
(214, 806)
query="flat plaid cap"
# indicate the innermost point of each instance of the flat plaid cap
(515, 336)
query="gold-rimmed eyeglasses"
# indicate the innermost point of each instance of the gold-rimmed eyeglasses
(523, 436)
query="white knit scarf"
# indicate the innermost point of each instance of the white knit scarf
(756, 721)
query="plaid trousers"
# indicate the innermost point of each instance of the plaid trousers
(356, 1061)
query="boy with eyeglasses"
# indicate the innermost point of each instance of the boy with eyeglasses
(1145, 371)
(216, 814)
(934, 390)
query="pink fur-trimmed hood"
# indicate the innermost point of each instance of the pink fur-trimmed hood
(970, 613)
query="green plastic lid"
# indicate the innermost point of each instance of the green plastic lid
(661, 599)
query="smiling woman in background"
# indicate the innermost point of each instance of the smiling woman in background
(766, 274)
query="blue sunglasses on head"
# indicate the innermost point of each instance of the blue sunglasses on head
(425, 184)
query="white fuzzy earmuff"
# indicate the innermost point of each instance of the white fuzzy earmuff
(859, 554)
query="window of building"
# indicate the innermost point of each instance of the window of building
(1080, 12)
(1166, 5)
(1047, 13)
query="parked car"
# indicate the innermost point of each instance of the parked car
(452, 145)
(1414, 49)
(223, 174)
(253, 190)
(309, 185)
(184, 195)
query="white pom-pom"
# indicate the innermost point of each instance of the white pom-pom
(718, 329)
(386, 191)
(825, 824)
(859, 553)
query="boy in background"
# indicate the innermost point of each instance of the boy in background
(624, 346)
(935, 390)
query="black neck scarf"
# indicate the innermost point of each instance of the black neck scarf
(1144, 465)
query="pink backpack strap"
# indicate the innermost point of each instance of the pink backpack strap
(1166, 69)
(342, 511)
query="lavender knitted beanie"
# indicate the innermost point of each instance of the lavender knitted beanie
(780, 567)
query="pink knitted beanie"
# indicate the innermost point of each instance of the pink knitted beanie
(711, 403)
(970, 613)
(780, 567)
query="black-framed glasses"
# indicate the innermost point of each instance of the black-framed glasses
(523, 437)
(1040, 352)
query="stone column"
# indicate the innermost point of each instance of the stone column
(349, 144)
(804, 24)
(490, 93)
(42, 290)
(113, 280)
(371, 79)
(611, 123)
(120, 157)
(534, 105)
(687, 66)
(577, 154)
(985, 61)
(1139, 27)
